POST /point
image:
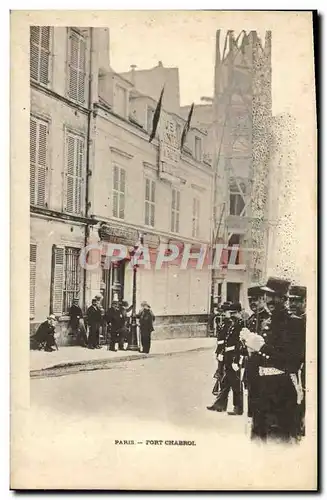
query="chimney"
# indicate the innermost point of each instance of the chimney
(160, 65)
(133, 67)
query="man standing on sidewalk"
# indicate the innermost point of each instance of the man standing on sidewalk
(77, 323)
(93, 320)
(146, 319)
(116, 319)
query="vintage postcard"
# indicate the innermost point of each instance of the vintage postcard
(163, 186)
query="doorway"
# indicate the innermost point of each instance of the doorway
(233, 292)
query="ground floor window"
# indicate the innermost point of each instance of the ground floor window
(233, 292)
(66, 278)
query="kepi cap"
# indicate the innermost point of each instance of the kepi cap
(298, 291)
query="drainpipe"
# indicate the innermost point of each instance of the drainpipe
(88, 155)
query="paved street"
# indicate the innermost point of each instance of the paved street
(161, 398)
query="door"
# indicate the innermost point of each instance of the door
(233, 292)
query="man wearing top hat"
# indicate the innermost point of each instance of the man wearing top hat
(231, 354)
(277, 391)
(258, 322)
(297, 304)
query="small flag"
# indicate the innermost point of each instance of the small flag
(187, 126)
(156, 116)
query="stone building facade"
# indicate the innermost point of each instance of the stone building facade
(96, 178)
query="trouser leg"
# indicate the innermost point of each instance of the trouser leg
(222, 398)
(237, 388)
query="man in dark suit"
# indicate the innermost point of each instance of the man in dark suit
(76, 323)
(277, 392)
(44, 337)
(115, 318)
(93, 321)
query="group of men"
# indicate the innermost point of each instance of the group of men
(265, 354)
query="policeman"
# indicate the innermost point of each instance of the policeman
(297, 305)
(222, 329)
(257, 322)
(276, 392)
(231, 353)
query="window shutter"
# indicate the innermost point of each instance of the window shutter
(32, 160)
(122, 194)
(33, 250)
(81, 72)
(147, 189)
(58, 254)
(79, 177)
(178, 199)
(73, 66)
(173, 199)
(44, 55)
(34, 52)
(152, 214)
(153, 191)
(70, 165)
(42, 164)
(147, 218)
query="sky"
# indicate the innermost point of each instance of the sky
(187, 40)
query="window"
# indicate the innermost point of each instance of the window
(65, 278)
(38, 161)
(236, 200)
(121, 101)
(233, 292)
(76, 64)
(118, 192)
(175, 208)
(149, 118)
(195, 217)
(74, 174)
(150, 190)
(32, 278)
(234, 258)
(198, 152)
(40, 53)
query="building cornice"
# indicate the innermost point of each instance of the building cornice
(51, 93)
(61, 216)
(120, 152)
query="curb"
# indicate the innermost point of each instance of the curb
(72, 367)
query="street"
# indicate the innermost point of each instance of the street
(175, 390)
(90, 415)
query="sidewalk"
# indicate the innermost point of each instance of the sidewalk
(74, 359)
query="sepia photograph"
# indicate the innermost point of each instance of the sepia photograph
(166, 211)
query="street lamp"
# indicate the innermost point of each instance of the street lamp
(133, 345)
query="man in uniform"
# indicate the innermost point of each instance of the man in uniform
(297, 305)
(257, 322)
(277, 393)
(231, 354)
(221, 330)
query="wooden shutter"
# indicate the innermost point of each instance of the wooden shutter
(77, 56)
(33, 250)
(70, 172)
(34, 52)
(33, 139)
(74, 174)
(153, 191)
(39, 53)
(115, 191)
(178, 197)
(73, 65)
(57, 282)
(122, 194)
(38, 161)
(81, 71)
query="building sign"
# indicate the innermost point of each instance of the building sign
(118, 234)
(169, 155)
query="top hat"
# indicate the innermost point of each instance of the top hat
(276, 286)
(255, 291)
(298, 291)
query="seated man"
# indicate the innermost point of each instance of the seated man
(44, 337)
